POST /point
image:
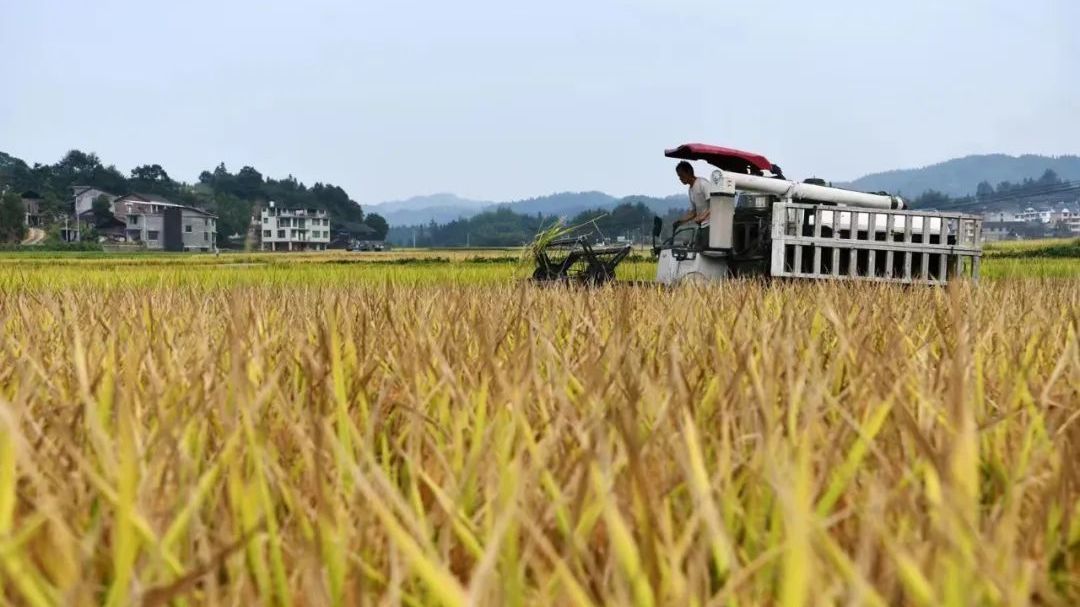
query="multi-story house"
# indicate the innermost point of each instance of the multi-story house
(284, 229)
(161, 224)
(1062, 215)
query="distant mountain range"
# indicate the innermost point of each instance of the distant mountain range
(960, 176)
(443, 208)
(957, 177)
(439, 208)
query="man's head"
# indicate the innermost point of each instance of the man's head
(685, 171)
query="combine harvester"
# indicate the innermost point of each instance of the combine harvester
(761, 224)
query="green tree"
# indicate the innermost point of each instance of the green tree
(248, 184)
(984, 189)
(234, 216)
(1049, 177)
(102, 208)
(52, 208)
(80, 168)
(12, 217)
(152, 179)
(378, 225)
(150, 173)
(629, 219)
(931, 199)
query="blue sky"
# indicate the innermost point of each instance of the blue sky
(501, 100)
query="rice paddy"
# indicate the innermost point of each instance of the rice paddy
(417, 429)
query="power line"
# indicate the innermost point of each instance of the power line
(1061, 188)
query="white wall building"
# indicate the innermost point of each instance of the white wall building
(1032, 215)
(283, 229)
(1063, 214)
(85, 195)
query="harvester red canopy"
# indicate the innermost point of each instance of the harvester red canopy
(725, 159)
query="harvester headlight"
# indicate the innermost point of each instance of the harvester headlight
(717, 177)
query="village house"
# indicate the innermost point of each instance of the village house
(32, 208)
(1073, 223)
(283, 229)
(1062, 215)
(161, 224)
(85, 196)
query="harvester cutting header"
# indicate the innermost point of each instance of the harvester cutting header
(747, 219)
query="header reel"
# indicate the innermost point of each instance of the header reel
(573, 260)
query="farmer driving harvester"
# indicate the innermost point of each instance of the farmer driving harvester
(698, 190)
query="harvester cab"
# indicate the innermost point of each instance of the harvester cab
(761, 224)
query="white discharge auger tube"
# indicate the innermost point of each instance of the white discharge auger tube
(807, 191)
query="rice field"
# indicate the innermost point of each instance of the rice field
(427, 429)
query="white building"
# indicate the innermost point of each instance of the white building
(1064, 214)
(86, 195)
(283, 229)
(1033, 215)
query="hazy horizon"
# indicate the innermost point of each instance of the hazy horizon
(491, 101)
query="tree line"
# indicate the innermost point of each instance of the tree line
(987, 192)
(233, 197)
(503, 227)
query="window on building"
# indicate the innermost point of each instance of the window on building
(266, 219)
(267, 233)
(133, 220)
(206, 236)
(187, 228)
(281, 233)
(152, 235)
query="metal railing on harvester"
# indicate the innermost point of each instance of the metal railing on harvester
(827, 242)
